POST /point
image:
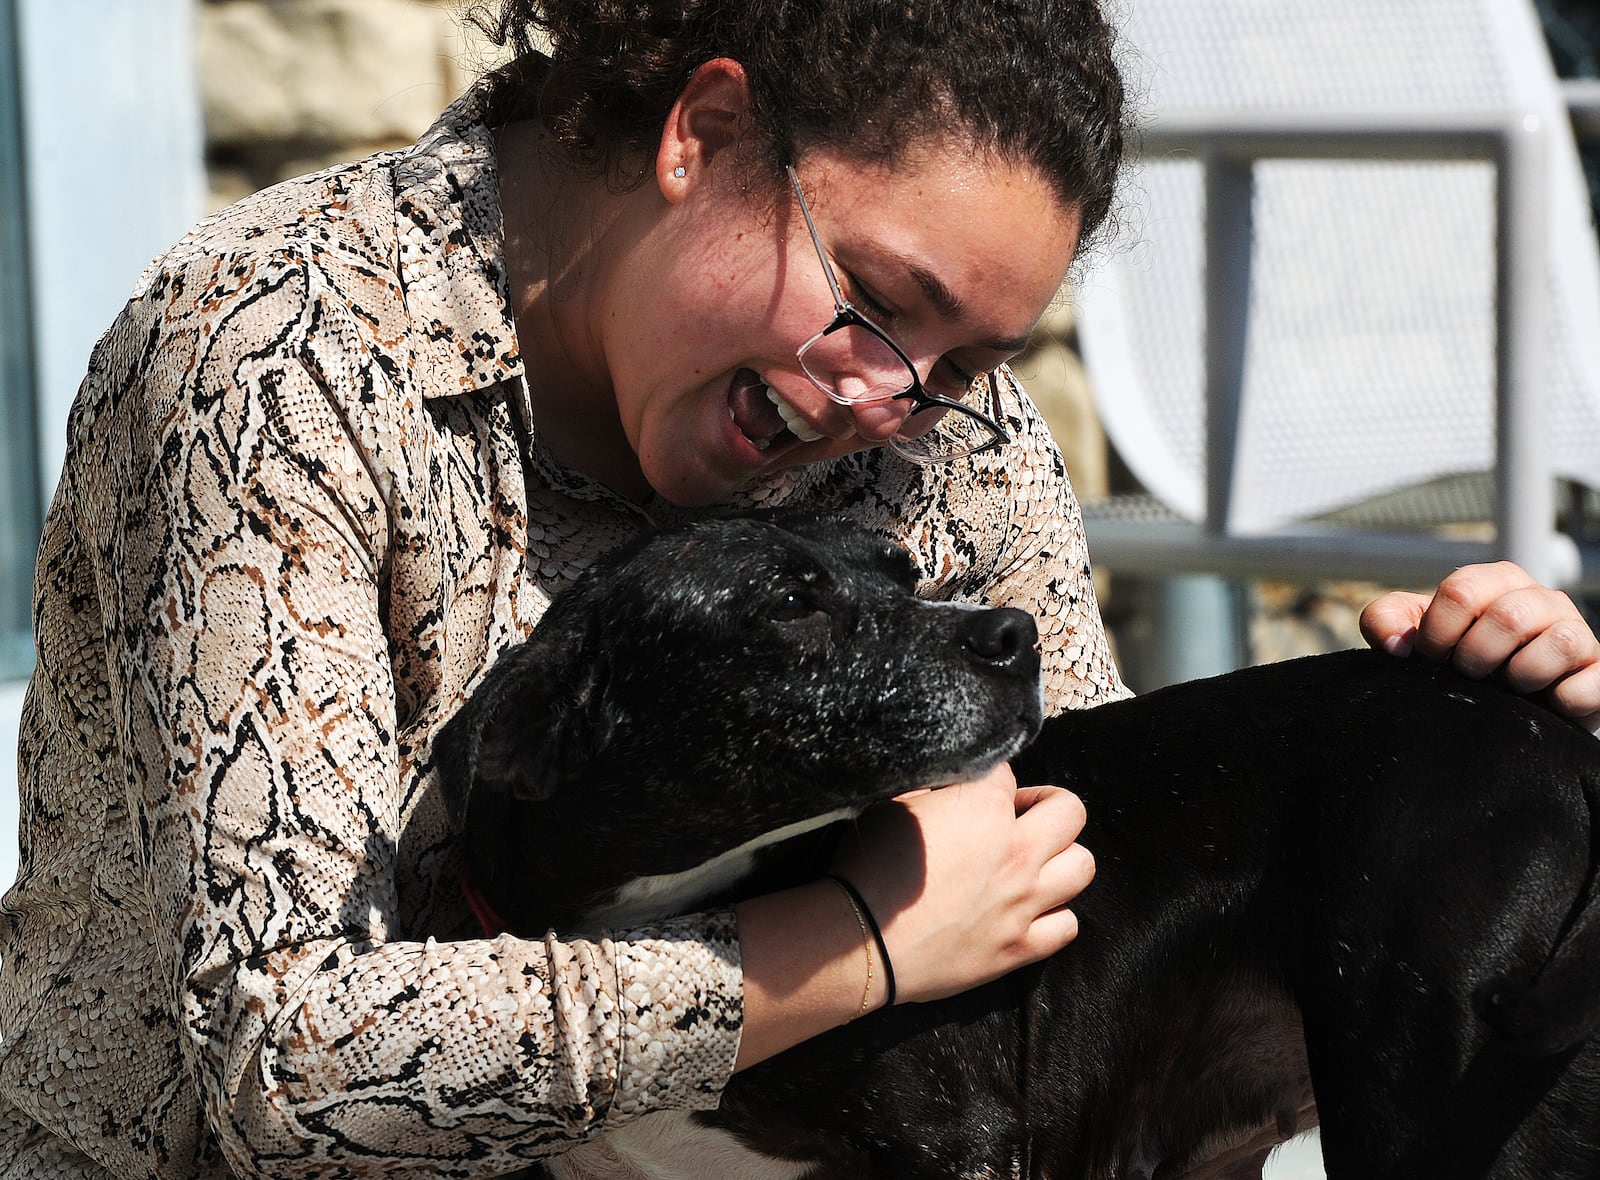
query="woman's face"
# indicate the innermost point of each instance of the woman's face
(954, 253)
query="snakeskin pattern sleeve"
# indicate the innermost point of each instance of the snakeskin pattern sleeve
(231, 513)
(1044, 567)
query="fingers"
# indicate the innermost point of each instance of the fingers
(1055, 804)
(1578, 696)
(1056, 818)
(1562, 665)
(1557, 648)
(1049, 933)
(1062, 878)
(1052, 819)
(1066, 875)
(1496, 620)
(1501, 597)
(1391, 622)
(970, 881)
(1480, 622)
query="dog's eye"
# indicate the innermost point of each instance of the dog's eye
(791, 607)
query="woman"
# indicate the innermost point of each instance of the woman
(351, 434)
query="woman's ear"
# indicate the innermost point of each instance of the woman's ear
(709, 118)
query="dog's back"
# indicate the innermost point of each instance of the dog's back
(1315, 869)
(1373, 846)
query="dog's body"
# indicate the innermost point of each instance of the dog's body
(1364, 864)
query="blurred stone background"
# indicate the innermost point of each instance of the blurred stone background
(289, 86)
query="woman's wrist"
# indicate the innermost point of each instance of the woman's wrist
(810, 964)
(873, 944)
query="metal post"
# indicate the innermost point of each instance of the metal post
(1228, 142)
(1525, 505)
(21, 504)
(1229, 231)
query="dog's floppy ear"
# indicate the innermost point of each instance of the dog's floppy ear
(531, 725)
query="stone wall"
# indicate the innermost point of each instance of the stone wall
(288, 86)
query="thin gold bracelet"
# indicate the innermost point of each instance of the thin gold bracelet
(866, 942)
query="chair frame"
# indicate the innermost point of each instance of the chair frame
(1228, 144)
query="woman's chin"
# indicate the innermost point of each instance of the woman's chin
(704, 476)
(689, 481)
(696, 475)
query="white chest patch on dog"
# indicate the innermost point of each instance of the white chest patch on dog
(646, 898)
(670, 1146)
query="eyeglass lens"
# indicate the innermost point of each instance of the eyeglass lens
(854, 364)
(935, 433)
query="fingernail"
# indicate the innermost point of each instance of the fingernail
(1398, 645)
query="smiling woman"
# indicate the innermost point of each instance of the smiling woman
(708, 164)
(803, 376)
(346, 442)
(349, 438)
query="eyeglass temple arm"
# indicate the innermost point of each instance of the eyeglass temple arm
(839, 300)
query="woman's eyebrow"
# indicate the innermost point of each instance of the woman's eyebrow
(949, 305)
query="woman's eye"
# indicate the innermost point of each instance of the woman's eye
(863, 298)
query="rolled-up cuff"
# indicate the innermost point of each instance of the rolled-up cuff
(681, 1009)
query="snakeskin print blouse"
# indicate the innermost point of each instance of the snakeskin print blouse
(305, 504)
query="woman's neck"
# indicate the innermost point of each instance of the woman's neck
(561, 231)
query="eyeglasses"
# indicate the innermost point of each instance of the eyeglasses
(854, 362)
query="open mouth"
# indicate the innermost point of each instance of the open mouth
(764, 417)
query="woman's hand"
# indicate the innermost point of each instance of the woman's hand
(967, 882)
(970, 881)
(1496, 620)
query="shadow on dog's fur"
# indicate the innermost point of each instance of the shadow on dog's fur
(1353, 879)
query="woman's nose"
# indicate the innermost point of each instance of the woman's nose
(880, 421)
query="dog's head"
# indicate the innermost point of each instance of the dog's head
(701, 689)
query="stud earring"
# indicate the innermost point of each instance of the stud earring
(680, 172)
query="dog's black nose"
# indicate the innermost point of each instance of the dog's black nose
(1000, 638)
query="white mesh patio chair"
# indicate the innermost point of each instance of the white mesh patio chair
(1358, 235)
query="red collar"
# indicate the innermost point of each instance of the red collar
(491, 922)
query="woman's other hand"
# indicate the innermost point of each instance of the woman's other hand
(1494, 619)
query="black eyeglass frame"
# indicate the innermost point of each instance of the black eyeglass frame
(846, 314)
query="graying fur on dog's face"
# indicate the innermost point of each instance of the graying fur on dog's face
(751, 675)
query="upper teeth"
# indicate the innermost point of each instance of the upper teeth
(797, 425)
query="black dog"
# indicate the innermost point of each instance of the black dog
(1350, 879)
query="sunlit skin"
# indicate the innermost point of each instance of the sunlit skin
(1495, 620)
(950, 216)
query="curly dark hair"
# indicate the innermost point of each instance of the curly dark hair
(1033, 80)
